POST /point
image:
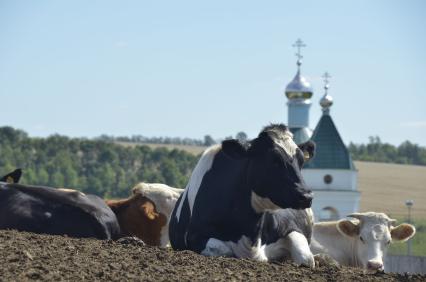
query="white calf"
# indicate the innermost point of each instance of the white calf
(362, 242)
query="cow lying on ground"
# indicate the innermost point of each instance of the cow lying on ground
(360, 243)
(41, 209)
(232, 185)
(146, 213)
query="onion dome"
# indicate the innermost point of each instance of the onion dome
(326, 101)
(299, 87)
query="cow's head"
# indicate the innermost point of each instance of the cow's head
(139, 217)
(12, 177)
(372, 234)
(274, 168)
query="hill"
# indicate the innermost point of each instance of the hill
(385, 187)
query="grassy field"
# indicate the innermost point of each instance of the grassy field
(385, 187)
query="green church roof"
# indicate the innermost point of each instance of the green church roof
(330, 152)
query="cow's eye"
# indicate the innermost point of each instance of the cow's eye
(362, 239)
(388, 242)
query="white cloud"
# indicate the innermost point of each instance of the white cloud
(414, 124)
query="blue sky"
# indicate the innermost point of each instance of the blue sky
(190, 68)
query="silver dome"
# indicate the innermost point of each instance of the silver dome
(326, 101)
(299, 88)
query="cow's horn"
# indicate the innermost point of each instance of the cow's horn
(392, 220)
(356, 215)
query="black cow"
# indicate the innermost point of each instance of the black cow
(232, 185)
(48, 210)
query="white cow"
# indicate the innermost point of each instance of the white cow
(362, 242)
(165, 198)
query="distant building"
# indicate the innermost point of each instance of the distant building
(331, 174)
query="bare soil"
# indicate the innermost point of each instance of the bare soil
(26, 256)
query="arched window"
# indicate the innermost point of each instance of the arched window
(328, 213)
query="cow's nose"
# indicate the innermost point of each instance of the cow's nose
(374, 265)
(306, 200)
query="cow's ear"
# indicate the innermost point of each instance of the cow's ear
(348, 228)
(118, 205)
(234, 149)
(308, 149)
(12, 177)
(402, 232)
(148, 209)
(261, 144)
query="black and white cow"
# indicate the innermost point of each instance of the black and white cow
(232, 185)
(53, 211)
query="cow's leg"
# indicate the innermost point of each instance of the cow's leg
(294, 246)
(246, 248)
(299, 249)
(278, 250)
(217, 248)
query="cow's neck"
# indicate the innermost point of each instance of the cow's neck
(349, 247)
(354, 261)
(243, 212)
(260, 204)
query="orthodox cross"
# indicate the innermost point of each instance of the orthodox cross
(299, 44)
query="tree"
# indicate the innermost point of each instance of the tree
(241, 136)
(208, 140)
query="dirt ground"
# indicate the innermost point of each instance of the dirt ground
(27, 256)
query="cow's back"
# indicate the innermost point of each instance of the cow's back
(33, 212)
(208, 198)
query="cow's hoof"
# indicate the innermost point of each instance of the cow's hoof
(131, 241)
(306, 260)
(325, 260)
(217, 248)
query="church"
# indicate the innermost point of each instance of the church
(331, 174)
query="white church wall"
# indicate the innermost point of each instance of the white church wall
(343, 202)
(341, 179)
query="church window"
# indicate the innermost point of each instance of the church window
(328, 179)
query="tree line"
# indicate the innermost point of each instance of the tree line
(103, 167)
(92, 166)
(377, 151)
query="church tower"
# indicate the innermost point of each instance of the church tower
(299, 93)
(331, 174)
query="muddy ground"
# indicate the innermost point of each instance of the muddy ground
(27, 256)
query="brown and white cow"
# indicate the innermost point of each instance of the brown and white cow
(146, 213)
(362, 242)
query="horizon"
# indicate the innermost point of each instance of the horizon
(217, 140)
(190, 69)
